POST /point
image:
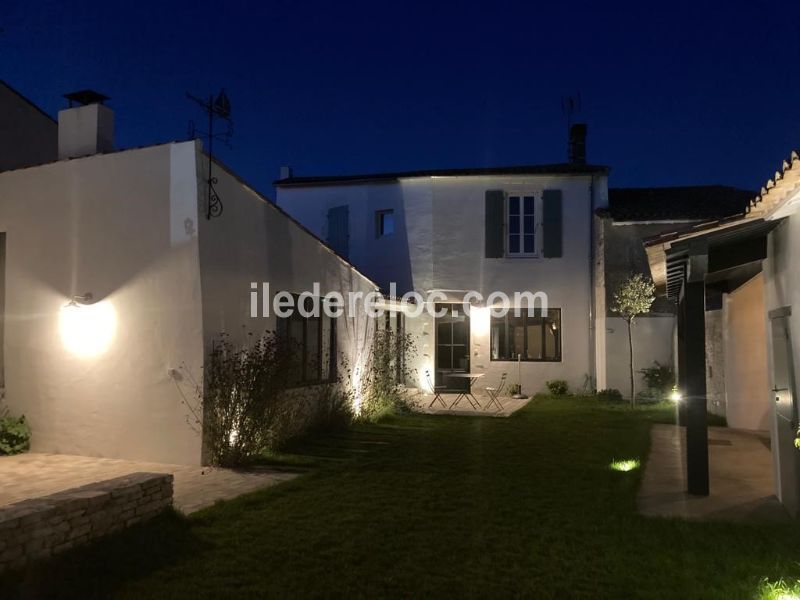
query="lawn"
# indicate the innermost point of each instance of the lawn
(442, 506)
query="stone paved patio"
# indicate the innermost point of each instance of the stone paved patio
(510, 406)
(740, 471)
(32, 475)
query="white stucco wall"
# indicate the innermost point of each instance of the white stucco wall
(781, 280)
(104, 224)
(746, 372)
(781, 291)
(652, 341)
(255, 241)
(439, 244)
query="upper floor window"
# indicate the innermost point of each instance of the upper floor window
(384, 223)
(521, 223)
(522, 219)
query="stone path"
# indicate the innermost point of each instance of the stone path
(33, 475)
(421, 404)
(740, 477)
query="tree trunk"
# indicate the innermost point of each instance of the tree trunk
(630, 349)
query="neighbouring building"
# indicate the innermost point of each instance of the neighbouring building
(744, 267)
(115, 284)
(28, 135)
(633, 215)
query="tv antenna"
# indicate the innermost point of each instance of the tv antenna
(217, 109)
(570, 106)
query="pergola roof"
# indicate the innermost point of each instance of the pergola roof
(668, 252)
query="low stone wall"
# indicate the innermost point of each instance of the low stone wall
(40, 527)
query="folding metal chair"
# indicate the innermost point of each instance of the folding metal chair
(494, 393)
(437, 391)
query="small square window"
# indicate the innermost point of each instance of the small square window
(384, 223)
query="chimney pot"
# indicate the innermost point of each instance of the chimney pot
(87, 128)
(286, 172)
(577, 144)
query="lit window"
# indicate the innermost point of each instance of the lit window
(384, 223)
(522, 220)
(528, 337)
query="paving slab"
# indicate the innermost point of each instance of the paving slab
(33, 475)
(741, 481)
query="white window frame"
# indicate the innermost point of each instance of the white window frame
(537, 224)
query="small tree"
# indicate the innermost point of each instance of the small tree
(632, 298)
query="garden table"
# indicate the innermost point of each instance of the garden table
(472, 377)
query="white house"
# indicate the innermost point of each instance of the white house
(115, 285)
(746, 265)
(447, 232)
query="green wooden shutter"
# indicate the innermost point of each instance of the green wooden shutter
(552, 224)
(494, 217)
(339, 229)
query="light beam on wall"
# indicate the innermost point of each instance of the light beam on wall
(87, 330)
(479, 320)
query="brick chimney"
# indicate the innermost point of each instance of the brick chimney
(86, 127)
(577, 144)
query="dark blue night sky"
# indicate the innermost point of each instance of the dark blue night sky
(673, 94)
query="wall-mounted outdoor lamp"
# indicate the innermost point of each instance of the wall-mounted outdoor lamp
(87, 328)
(81, 299)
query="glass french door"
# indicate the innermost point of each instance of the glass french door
(452, 346)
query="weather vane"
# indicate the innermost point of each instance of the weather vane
(218, 108)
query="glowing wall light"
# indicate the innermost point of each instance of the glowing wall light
(87, 330)
(675, 396)
(479, 320)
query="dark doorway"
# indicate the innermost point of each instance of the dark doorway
(452, 346)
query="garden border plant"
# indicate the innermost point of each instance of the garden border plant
(382, 382)
(248, 405)
(15, 433)
(660, 380)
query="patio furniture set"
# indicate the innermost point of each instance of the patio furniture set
(493, 392)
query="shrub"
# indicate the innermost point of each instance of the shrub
(660, 379)
(648, 396)
(610, 395)
(244, 397)
(249, 405)
(382, 381)
(558, 387)
(332, 410)
(15, 434)
(514, 389)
